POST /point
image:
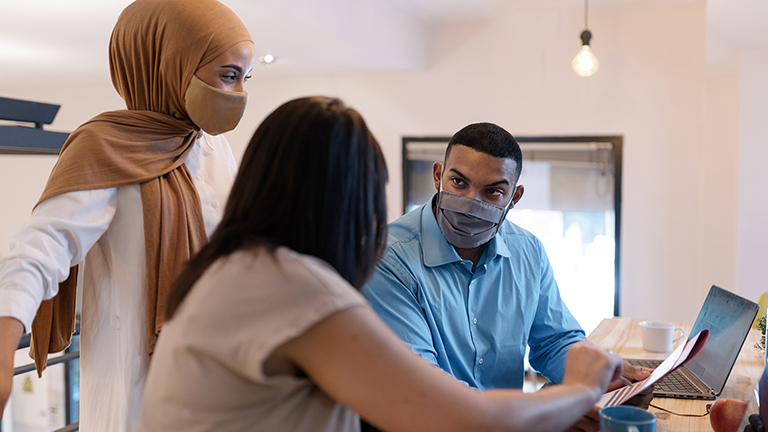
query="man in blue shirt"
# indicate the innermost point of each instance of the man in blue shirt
(466, 290)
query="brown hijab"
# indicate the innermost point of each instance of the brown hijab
(155, 49)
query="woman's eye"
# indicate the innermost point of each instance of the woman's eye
(229, 77)
(457, 181)
(247, 77)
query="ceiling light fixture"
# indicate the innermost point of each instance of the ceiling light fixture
(585, 63)
(267, 59)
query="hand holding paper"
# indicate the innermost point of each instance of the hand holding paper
(679, 357)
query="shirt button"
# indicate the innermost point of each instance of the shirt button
(481, 361)
(215, 204)
(474, 321)
(199, 177)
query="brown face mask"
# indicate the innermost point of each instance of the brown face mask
(213, 110)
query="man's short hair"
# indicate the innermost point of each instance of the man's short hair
(490, 139)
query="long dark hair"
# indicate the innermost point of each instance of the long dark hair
(312, 179)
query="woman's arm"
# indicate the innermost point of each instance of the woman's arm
(59, 234)
(10, 334)
(355, 359)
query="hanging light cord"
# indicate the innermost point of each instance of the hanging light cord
(586, 14)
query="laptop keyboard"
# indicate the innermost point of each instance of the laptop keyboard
(674, 382)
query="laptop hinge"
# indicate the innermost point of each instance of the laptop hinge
(709, 389)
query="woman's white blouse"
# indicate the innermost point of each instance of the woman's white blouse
(105, 228)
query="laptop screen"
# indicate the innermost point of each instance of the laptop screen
(728, 317)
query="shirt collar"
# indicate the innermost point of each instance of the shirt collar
(437, 251)
(497, 246)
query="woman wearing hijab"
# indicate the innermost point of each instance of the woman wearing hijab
(270, 333)
(134, 195)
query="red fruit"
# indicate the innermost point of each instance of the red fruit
(726, 414)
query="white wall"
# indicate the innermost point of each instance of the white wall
(719, 179)
(752, 238)
(678, 118)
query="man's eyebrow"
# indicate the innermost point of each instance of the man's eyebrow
(455, 171)
(463, 177)
(500, 182)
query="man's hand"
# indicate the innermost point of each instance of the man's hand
(632, 373)
(10, 334)
(755, 424)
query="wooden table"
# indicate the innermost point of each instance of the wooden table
(622, 335)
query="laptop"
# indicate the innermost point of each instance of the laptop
(728, 317)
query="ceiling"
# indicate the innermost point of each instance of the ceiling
(39, 38)
(733, 25)
(72, 36)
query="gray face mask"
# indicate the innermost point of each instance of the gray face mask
(467, 222)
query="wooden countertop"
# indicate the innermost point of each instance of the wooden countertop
(622, 335)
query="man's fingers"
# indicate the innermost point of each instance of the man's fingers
(636, 373)
(756, 423)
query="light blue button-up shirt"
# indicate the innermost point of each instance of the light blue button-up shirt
(474, 325)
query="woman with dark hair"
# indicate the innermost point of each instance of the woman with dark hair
(269, 331)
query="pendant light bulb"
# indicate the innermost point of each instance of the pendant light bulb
(585, 63)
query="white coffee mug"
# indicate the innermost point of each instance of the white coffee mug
(659, 336)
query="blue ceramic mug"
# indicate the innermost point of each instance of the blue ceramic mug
(626, 419)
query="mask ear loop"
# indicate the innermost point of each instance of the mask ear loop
(439, 190)
(507, 208)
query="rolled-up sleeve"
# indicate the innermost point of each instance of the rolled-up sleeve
(57, 236)
(393, 296)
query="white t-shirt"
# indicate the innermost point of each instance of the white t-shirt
(206, 372)
(107, 225)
